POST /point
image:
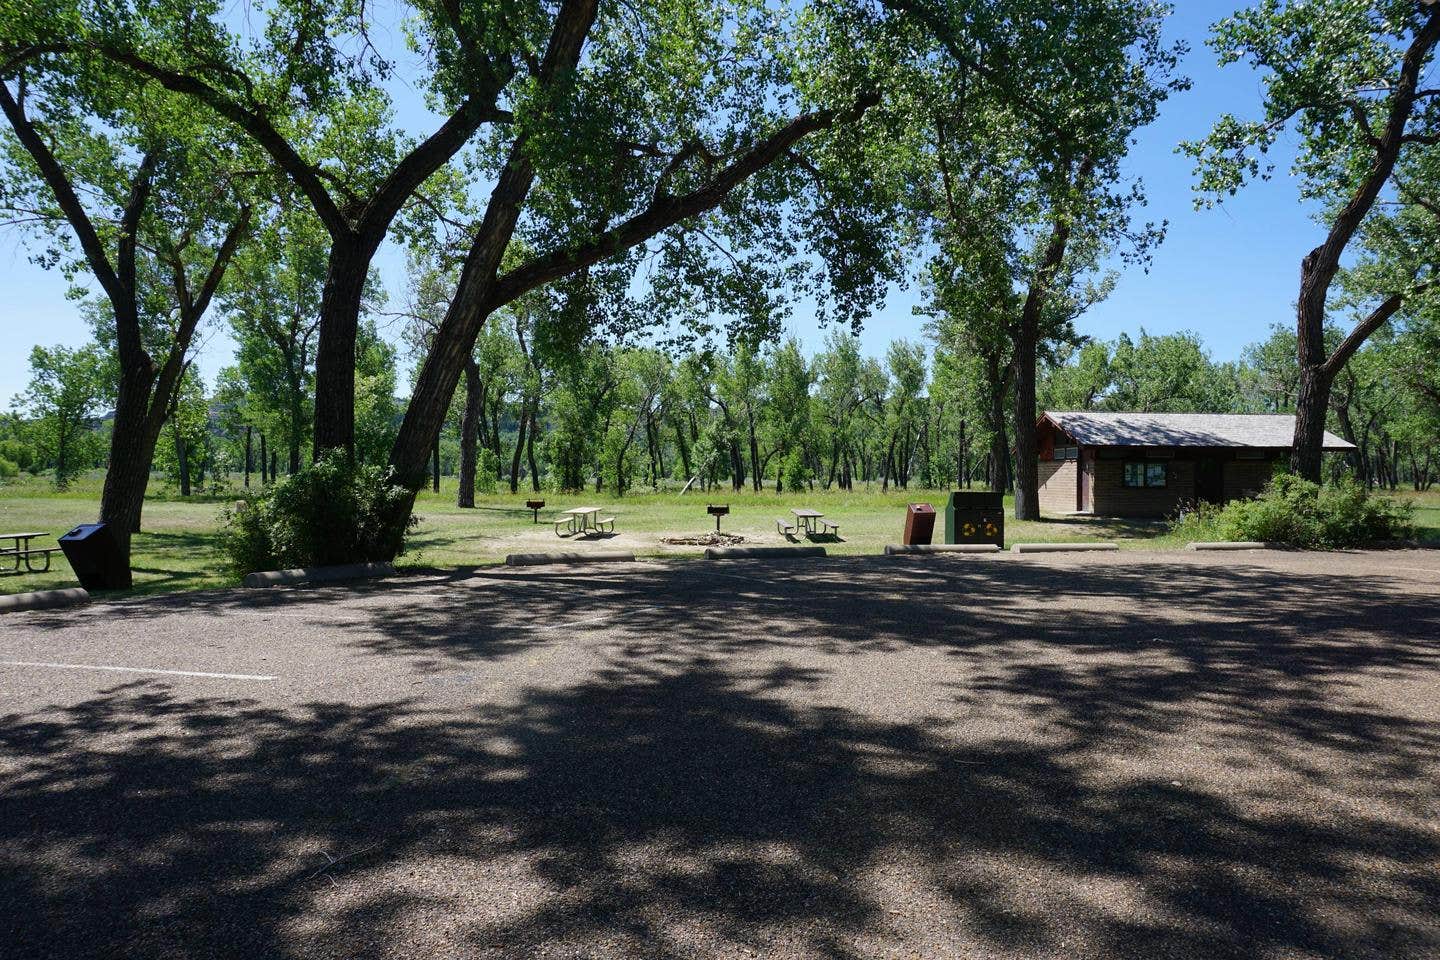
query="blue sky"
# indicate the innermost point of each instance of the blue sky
(1227, 273)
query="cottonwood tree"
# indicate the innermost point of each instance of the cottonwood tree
(272, 304)
(66, 389)
(1350, 79)
(696, 143)
(1023, 198)
(307, 87)
(129, 187)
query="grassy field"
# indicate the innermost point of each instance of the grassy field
(178, 549)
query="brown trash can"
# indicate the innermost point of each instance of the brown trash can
(919, 523)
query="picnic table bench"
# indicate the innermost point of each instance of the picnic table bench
(21, 551)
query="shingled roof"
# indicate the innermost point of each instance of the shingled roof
(1097, 429)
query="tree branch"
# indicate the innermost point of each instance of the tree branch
(665, 211)
(1362, 330)
(65, 196)
(306, 176)
(130, 220)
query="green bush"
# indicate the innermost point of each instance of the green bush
(22, 455)
(9, 470)
(486, 467)
(795, 473)
(328, 513)
(1303, 514)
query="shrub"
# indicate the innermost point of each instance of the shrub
(22, 455)
(328, 513)
(8, 469)
(1303, 514)
(795, 473)
(486, 466)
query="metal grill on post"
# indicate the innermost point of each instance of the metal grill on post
(717, 510)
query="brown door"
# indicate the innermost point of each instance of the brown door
(1209, 479)
(1087, 479)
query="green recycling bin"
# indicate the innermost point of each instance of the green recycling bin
(975, 517)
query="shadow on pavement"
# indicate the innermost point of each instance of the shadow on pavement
(683, 801)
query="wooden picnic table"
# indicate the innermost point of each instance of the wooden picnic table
(20, 548)
(806, 518)
(585, 516)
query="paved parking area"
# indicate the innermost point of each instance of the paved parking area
(1133, 755)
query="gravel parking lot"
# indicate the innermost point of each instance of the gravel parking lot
(1133, 755)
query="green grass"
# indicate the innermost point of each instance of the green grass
(178, 549)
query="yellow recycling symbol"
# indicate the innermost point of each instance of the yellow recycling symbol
(969, 529)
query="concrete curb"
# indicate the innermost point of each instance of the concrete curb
(1230, 545)
(537, 559)
(1064, 547)
(348, 571)
(43, 599)
(776, 553)
(899, 549)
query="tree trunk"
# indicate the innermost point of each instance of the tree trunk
(755, 478)
(264, 463)
(521, 439)
(530, 446)
(132, 450)
(297, 414)
(469, 426)
(683, 448)
(340, 303)
(1027, 467)
(999, 472)
(182, 458)
(960, 451)
(495, 434)
(248, 430)
(1311, 403)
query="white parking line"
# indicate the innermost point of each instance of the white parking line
(172, 673)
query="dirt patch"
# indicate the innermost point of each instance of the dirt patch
(705, 540)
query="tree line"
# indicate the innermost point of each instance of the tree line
(619, 419)
(617, 167)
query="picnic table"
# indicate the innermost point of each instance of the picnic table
(19, 548)
(813, 521)
(805, 519)
(584, 519)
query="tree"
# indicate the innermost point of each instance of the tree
(377, 411)
(190, 456)
(1353, 92)
(155, 202)
(788, 425)
(66, 388)
(839, 404)
(1025, 198)
(272, 303)
(308, 92)
(1168, 373)
(1081, 380)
